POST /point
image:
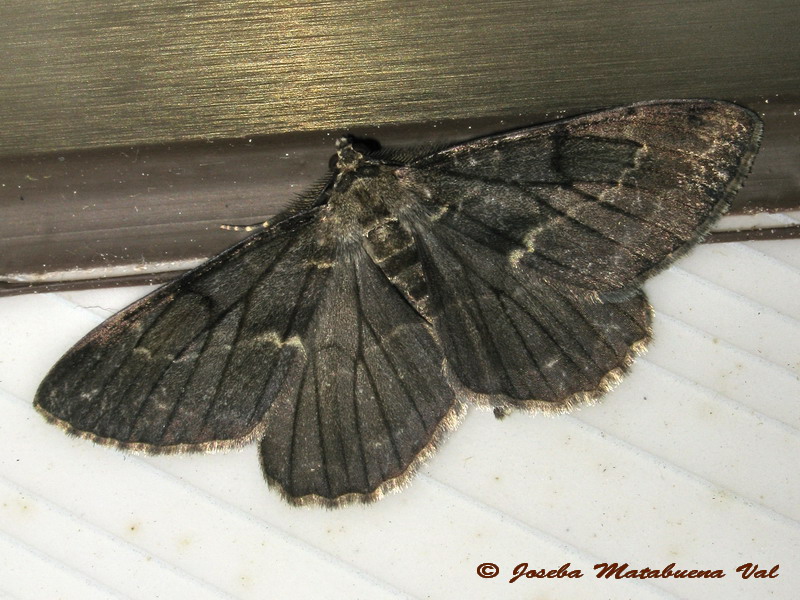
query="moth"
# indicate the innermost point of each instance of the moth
(347, 336)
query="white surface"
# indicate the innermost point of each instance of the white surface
(693, 459)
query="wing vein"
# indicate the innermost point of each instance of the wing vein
(541, 325)
(293, 444)
(246, 299)
(322, 452)
(505, 304)
(357, 416)
(180, 399)
(368, 372)
(539, 254)
(390, 363)
(617, 209)
(599, 333)
(101, 393)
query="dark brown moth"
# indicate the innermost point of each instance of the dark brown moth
(346, 336)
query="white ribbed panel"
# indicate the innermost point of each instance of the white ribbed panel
(693, 459)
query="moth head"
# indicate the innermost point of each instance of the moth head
(353, 158)
(348, 157)
(353, 152)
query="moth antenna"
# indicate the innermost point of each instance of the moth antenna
(253, 227)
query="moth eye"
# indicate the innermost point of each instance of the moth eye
(366, 146)
(332, 162)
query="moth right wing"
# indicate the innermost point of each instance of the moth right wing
(599, 201)
(514, 338)
(534, 243)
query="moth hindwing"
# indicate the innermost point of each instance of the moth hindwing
(345, 337)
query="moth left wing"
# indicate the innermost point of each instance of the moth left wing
(370, 399)
(196, 364)
(284, 338)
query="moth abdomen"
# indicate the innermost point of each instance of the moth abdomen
(393, 249)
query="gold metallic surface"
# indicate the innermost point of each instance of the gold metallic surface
(92, 73)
